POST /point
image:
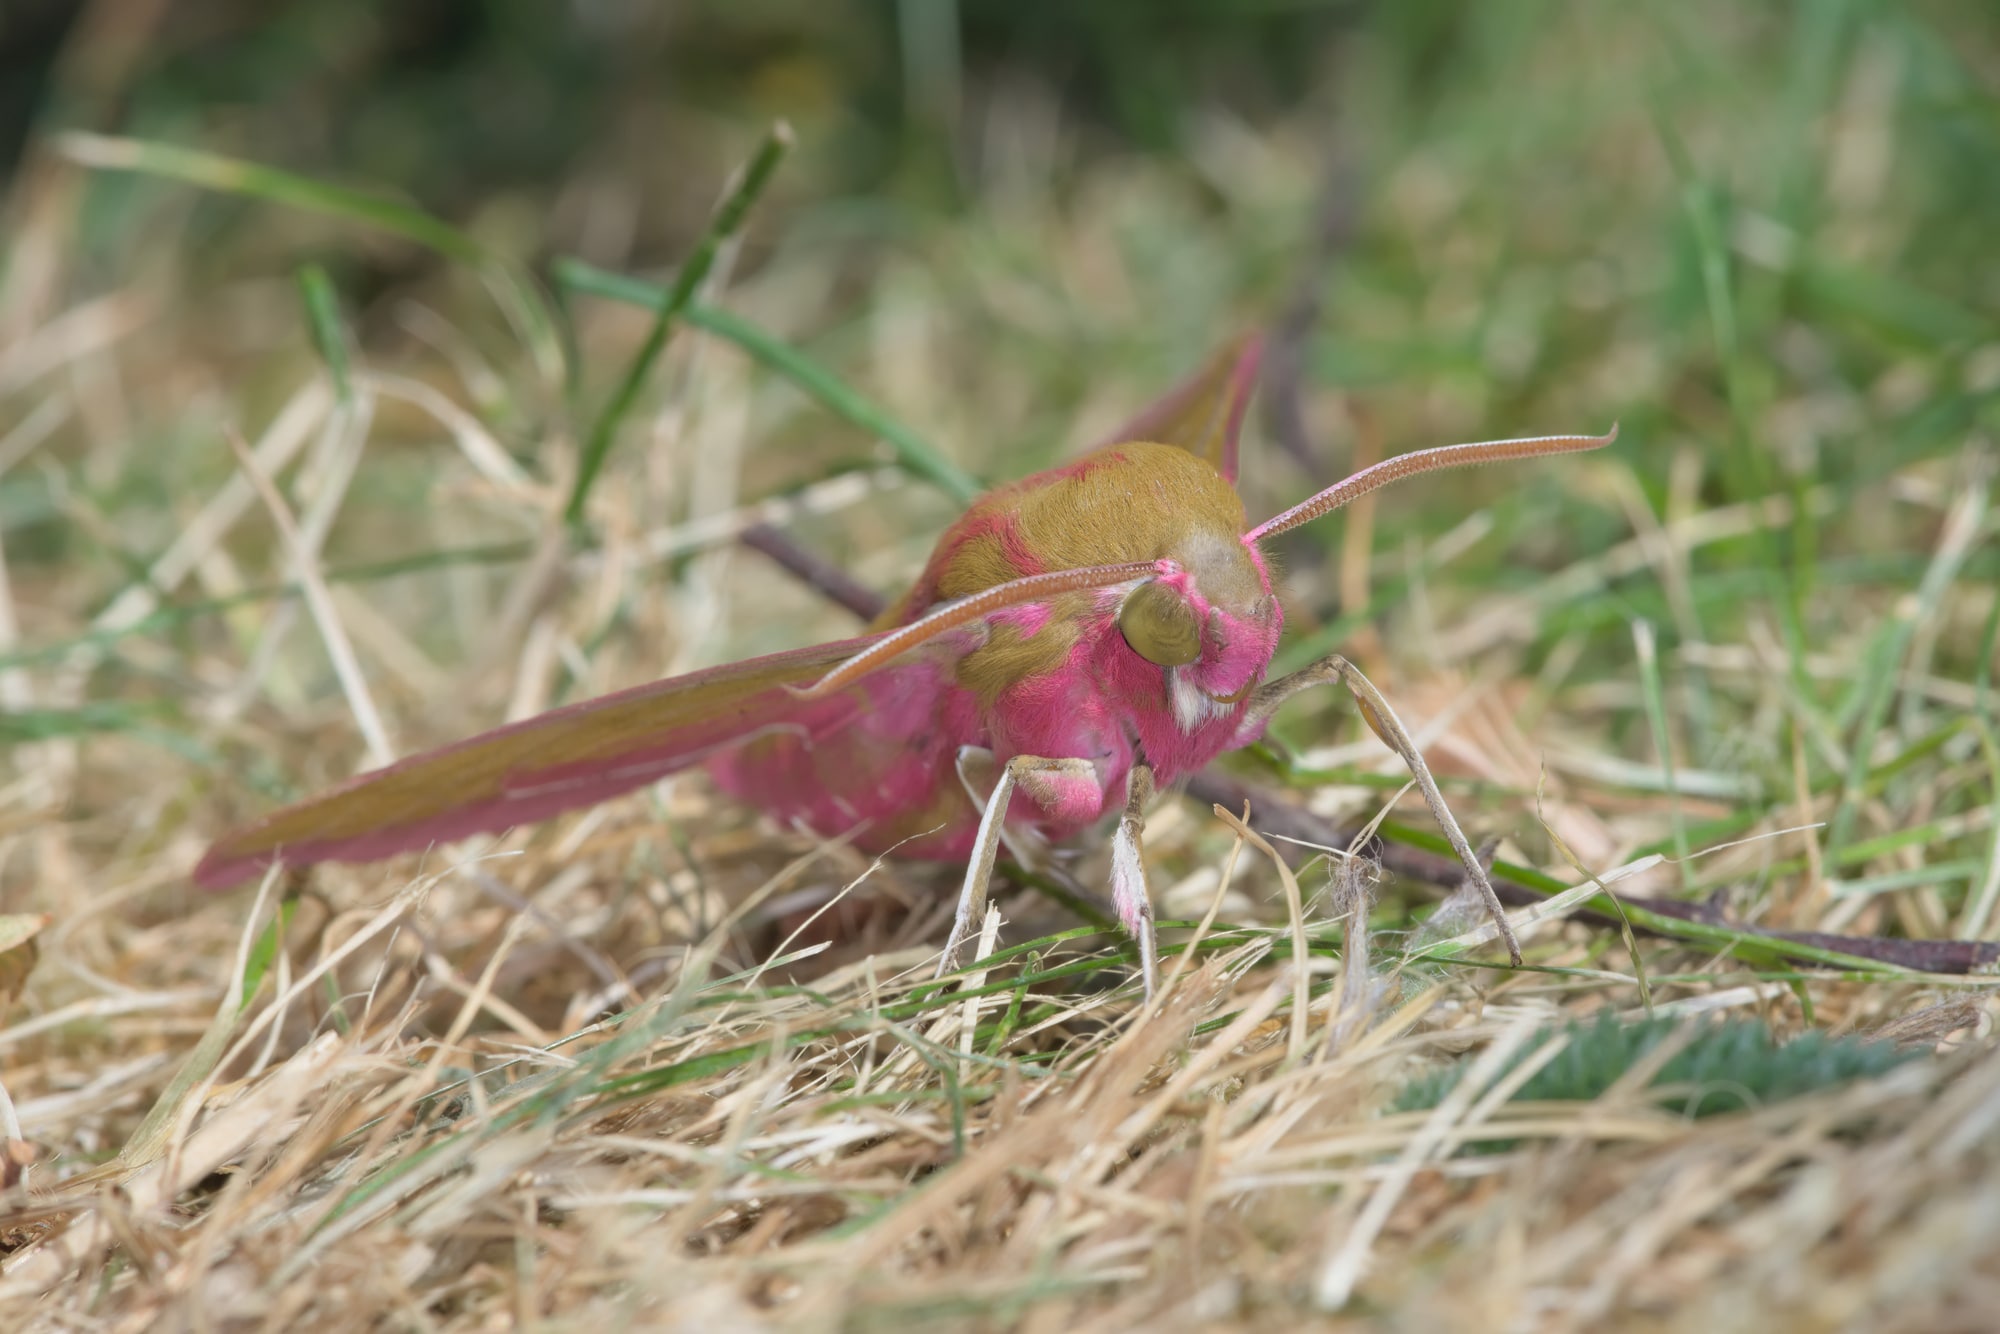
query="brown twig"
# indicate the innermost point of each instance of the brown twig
(814, 571)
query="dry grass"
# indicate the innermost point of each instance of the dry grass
(662, 1065)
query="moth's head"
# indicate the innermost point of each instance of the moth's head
(1209, 619)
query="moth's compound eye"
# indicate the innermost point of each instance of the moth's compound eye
(1160, 625)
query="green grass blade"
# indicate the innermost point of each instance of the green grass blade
(912, 451)
(264, 950)
(227, 175)
(728, 218)
(1647, 649)
(1989, 648)
(1978, 915)
(1875, 691)
(91, 718)
(512, 287)
(322, 306)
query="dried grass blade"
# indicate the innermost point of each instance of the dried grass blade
(320, 603)
(266, 1115)
(1295, 915)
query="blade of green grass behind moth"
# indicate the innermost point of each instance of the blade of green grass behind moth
(322, 309)
(1646, 649)
(727, 220)
(1982, 680)
(520, 299)
(1977, 916)
(917, 455)
(92, 718)
(1750, 948)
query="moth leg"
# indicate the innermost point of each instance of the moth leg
(1382, 721)
(1129, 891)
(1031, 772)
(978, 773)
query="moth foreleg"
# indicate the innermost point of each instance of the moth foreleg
(1033, 773)
(1384, 723)
(1129, 891)
(979, 773)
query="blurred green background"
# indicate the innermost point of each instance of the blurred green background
(1834, 161)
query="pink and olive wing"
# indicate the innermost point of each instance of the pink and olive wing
(562, 760)
(1204, 413)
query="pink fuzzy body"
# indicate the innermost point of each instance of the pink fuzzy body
(892, 771)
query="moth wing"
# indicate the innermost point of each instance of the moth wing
(1204, 413)
(558, 761)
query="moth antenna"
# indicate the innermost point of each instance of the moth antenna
(1031, 588)
(1425, 460)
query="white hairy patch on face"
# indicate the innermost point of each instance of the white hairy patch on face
(1191, 704)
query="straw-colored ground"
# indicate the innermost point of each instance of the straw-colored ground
(664, 1065)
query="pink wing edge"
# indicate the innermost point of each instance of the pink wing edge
(1241, 384)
